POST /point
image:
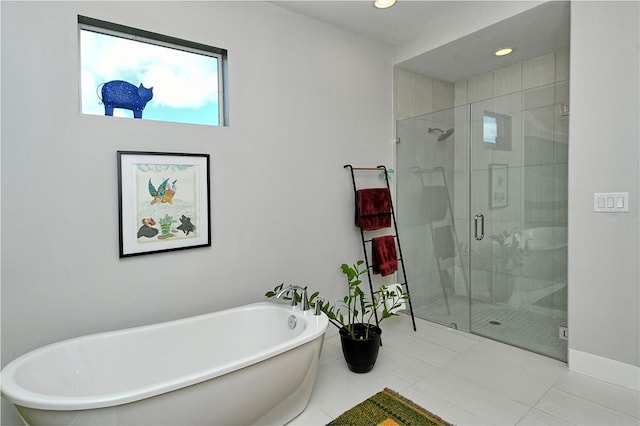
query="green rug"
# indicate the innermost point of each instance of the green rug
(388, 408)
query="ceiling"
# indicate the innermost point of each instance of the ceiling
(537, 31)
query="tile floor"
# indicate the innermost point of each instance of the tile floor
(523, 327)
(468, 380)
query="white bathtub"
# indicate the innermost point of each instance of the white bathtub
(547, 255)
(239, 366)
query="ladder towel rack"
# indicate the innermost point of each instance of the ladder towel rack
(405, 283)
(444, 237)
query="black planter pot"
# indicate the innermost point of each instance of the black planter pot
(360, 353)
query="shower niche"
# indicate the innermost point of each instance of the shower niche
(482, 209)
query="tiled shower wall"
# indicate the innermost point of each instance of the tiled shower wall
(416, 94)
(536, 72)
(530, 92)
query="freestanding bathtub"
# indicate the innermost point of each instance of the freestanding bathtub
(239, 366)
(547, 256)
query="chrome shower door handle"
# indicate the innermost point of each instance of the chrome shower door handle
(476, 219)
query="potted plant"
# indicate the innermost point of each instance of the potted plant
(165, 226)
(359, 336)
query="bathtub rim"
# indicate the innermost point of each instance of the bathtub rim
(528, 233)
(15, 393)
(558, 244)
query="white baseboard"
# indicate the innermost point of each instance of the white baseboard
(609, 370)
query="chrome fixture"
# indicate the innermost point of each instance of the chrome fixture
(286, 290)
(292, 290)
(319, 301)
(443, 133)
(517, 240)
(292, 321)
(478, 236)
(305, 298)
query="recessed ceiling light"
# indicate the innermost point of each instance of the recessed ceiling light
(503, 51)
(383, 4)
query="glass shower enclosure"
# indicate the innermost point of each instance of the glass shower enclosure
(482, 209)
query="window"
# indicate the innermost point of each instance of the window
(128, 72)
(490, 132)
(496, 131)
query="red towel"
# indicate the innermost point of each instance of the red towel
(373, 208)
(384, 257)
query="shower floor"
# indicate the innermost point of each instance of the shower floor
(534, 331)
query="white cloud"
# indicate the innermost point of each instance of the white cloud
(90, 99)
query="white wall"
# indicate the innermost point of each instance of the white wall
(604, 275)
(305, 98)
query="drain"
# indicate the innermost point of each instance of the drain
(293, 321)
(494, 322)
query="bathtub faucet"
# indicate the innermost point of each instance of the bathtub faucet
(292, 290)
(516, 237)
(286, 290)
(305, 297)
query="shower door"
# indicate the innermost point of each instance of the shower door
(518, 210)
(483, 216)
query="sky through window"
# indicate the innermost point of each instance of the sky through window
(185, 84)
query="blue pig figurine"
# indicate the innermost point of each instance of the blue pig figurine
(121, 94)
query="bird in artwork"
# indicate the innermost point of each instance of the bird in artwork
(164, 193)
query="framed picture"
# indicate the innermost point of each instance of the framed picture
(498, 185)
(163, 202)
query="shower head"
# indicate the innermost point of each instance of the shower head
(443, 133)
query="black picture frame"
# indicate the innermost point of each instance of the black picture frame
(498, 185)
(164, 202)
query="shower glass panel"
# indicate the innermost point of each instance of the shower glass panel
(519, 146)
(433, 213)
(483, 217)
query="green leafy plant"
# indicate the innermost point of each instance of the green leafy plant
(358, 308)
(510, 255)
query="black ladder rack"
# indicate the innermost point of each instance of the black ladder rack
(405, 283)
(446, 245)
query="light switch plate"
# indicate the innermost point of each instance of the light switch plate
(611, 202)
